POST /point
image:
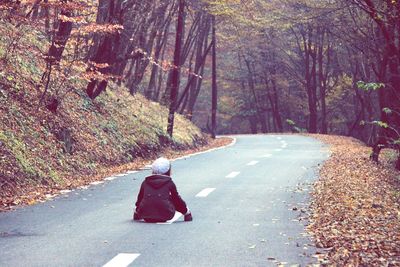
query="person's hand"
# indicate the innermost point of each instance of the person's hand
(188, 216)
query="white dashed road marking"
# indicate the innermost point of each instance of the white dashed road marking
(205, 192)
(278, 149)
(266, 156)
(279, 138)
(122, 260)
(232, 175)
(254, 162)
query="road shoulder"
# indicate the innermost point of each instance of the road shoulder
(355, 210)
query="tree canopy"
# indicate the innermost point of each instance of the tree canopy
(317, 66)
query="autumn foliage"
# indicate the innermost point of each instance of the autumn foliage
(52, 134)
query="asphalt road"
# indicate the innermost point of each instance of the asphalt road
(247, 202)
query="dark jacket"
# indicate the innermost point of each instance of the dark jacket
(158, 199)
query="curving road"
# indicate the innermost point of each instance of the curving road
(247, 201)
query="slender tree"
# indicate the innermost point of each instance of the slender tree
(214, 100)
(175, 72)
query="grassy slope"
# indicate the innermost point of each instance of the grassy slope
(114, 130)
(39, 149)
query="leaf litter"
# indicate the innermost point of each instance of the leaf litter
(29, 195)
(355, 211)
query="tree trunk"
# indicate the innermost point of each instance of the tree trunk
(110, 11)
(174, 81)
(309, 76)
(214, 83)
(60, 39)
(202, 50)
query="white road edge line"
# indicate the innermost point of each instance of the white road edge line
(266, 156)
(97, 182)
(147, 167)
(205, 192)
(232, 175)
(176, 217)
(206, 151)
(122, 260)
(251, 163)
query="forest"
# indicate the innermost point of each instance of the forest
(99, 88)
(302, 66)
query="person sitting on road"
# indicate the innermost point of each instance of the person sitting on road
(158, 198)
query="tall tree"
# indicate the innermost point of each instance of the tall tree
(214, 82)
(175, 72)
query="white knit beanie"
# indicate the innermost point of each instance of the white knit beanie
(161, 166)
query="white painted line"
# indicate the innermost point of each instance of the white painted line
(110, 178)
(176, 217)
(266, 156)
(206, 151)
(278, 149)
(205, 192)
(147, 167)
(65, 191)
(130, 172)
(122, 260)
(49, 196)
(251, 163)
(232, 175)
(120, 175)
(279, 138)
(284, 145)
(96, 183)
(83, 187)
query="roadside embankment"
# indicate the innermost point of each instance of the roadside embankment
(43, 152)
